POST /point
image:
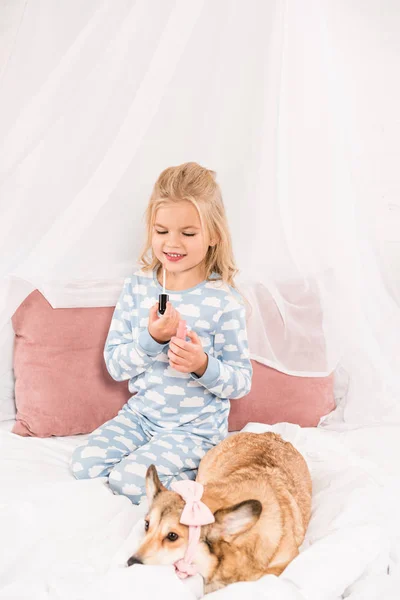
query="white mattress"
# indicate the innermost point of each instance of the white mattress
(68, 539)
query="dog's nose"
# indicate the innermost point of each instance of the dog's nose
(134, 561)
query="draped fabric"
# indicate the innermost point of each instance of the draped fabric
(280, 98)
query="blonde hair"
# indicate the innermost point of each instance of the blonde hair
(197, 185)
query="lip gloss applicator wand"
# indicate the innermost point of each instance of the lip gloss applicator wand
(162, 307)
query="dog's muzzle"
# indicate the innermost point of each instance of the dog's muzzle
(134, 561)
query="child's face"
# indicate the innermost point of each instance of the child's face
(177, 230)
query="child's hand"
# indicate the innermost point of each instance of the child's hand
(163, 328)
(188, 357)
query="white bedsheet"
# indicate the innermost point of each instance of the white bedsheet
(68, 539)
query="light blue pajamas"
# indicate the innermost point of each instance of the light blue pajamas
(124, 448)
(173, 418)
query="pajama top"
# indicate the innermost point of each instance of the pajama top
(165, 398)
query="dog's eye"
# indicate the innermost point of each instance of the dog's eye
(146, 525)
(208, 544)
(172, 537)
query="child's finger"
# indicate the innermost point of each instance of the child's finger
(179, 360)
(153, 316)
(170, 313)
(178, 367)
(178, 350)
(168, 316)
(194, 337)
(181, 343)
(174, 326)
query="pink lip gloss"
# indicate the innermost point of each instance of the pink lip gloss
(181, 331)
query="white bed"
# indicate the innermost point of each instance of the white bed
(68, 539)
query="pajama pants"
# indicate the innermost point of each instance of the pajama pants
(124, 447)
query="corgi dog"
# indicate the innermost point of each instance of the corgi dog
(258, 489)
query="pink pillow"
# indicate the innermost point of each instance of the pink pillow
(62, 386)
(276, 397)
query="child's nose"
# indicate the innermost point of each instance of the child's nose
(173, 239)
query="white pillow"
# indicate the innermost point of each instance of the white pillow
(7, 381)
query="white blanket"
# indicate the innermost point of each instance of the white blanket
(68, 539)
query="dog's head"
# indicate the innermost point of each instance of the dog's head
(222, 555)
(166, 539)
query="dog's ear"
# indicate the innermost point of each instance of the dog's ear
(236, 519)
(153, 484)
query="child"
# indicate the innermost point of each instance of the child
(182, 388)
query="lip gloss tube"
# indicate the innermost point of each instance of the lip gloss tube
(181, 331)
(163, 298)
(162, 301)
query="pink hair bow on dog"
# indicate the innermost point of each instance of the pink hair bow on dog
(195, 514)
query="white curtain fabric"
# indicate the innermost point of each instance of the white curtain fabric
(98, 97)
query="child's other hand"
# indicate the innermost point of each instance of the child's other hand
(188, 357)
(163, 328)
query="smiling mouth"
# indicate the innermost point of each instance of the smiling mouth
(174, 254)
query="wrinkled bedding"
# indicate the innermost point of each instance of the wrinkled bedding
(67, 539)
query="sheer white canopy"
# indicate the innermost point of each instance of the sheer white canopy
(278, 97)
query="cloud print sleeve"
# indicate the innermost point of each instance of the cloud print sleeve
(229, 371)
(128, 350)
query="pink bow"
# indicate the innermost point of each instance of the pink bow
(195, 514)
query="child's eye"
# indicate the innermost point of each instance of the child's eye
(164, 232)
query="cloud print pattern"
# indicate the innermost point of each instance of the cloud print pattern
(166, 397)
(165, 400)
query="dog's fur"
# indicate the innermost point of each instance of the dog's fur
(259, 489)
